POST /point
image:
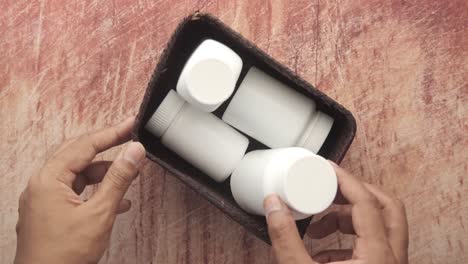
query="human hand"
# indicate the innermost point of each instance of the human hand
(378, 221)
(55, 225)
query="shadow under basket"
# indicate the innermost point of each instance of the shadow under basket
(188, 35)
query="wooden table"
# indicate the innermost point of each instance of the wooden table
(67, 67)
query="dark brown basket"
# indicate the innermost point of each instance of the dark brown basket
(188, 35)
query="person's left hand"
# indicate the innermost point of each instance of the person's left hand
(55, 225)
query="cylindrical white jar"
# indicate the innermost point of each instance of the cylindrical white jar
(199, 137)
(306, 182)
(210, 75)
(276, 115)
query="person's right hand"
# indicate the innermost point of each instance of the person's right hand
(378, 221)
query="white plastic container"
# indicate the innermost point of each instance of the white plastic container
(199, 137)
(210, 75)
(306, 182)
(276, 115)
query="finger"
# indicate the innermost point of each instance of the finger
(351, 188)
(335, 221)
(368, 222)
(80, 152)
(93, 174)
(124, 206)
(339, 198)
(333, 255)
(119, 177)
(395, 221)
(287, 244)
(64, 145)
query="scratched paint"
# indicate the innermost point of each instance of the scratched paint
(68, 67)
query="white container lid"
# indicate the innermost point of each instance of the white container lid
(165, 114)
(310, 185)
(316, 133)
(306, 182)
(209, 76)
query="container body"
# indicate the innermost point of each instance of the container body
(305, 182)
(206, 142)
(247, 181)
(210, 75)
(263, 106)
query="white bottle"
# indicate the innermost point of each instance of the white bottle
(199, 137)
(210, 75)
(276, 115)
(306, 182)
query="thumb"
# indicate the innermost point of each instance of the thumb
(287, 244)
(119, 176)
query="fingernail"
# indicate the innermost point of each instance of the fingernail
(272, 204)
(134, 153)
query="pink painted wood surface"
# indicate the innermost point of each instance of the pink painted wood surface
(67, 67)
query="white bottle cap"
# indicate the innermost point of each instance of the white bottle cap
(316, 133)
(305, 181)
(209, 76)
(165, 114)
(309, 186)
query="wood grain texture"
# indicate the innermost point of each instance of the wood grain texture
(401, 67)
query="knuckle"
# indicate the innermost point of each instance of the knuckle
(372, 201)
(79, 139)
(116, 133)
(84, 136)
(68, 141)
(61, 146)
(120, 175)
